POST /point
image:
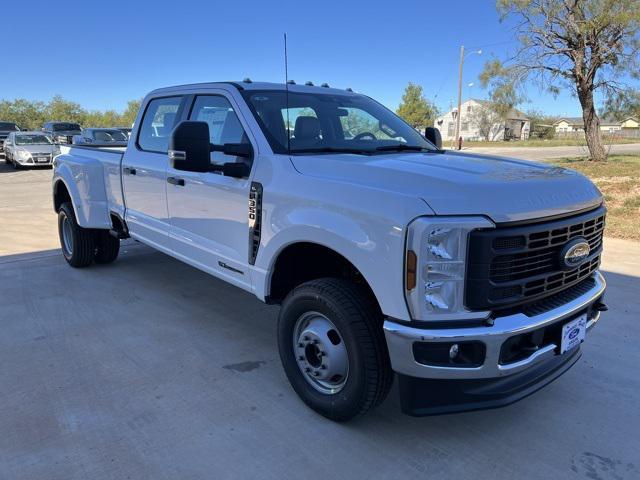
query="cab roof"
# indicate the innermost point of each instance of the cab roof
(250, 85)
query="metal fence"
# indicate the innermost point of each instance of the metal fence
(625, 133)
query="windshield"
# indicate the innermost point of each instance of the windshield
(331, 123)
(61, 127)
(8, 127)
(34, 139)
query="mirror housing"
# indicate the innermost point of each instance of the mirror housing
(234, 149)
(189, 147)
(189, 150)
(236, 170)
(434, 136)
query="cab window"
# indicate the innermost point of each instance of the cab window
(224, 125)
(157, 124)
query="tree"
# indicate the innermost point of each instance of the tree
(130, 113)
(485, 118)
(31, 115)
(541, 124)
(415, 109)
(584, 45)
(623, 104)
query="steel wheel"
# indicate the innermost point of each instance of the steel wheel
(67, 235)
(320, 353)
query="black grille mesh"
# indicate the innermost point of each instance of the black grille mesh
(514, 265)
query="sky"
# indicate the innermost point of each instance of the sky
(103, 53)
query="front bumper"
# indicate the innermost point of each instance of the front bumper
(522, 376)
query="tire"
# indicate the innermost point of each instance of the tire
(107, 247)
(77, 243)
(305, 347)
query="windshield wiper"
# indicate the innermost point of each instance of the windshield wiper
(332, 150)
(401, 147)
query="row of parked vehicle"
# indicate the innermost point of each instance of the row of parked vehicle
(30, 148)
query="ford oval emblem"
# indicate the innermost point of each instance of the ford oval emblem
(574, 253)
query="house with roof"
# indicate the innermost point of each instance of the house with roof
(607, 124)
(478, 122)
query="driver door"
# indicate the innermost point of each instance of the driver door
(209, 212)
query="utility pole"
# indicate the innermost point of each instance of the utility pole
(457, 137)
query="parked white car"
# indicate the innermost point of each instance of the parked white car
(22, 149)
(474, 278)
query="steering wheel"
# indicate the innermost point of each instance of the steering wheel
(365, 135)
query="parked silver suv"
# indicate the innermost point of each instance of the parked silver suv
(62, 132)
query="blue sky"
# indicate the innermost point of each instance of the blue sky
(103, 53)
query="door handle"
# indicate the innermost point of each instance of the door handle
(176, 181)
(129, 170)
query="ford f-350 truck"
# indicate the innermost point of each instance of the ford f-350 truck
(473, 279)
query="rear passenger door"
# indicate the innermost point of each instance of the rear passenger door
(144, 172)
(210, 212)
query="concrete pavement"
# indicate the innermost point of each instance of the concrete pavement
(150, 369)
(544, 153)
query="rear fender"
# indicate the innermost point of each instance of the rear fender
(84, 181)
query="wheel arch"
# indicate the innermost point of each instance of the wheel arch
(300, 262)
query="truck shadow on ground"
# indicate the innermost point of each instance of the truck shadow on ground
(175, 339)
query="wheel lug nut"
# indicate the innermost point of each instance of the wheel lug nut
(315, 341)
(305, 338)
(316, 374)
(323, 367)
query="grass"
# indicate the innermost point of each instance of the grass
(555, 142)
(619, 181)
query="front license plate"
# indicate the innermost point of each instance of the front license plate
(42, 159)
(573, 333)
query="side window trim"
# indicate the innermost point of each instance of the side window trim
(184, 99)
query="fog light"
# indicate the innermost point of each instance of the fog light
(448, 354)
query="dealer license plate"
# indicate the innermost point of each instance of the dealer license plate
(573, 333)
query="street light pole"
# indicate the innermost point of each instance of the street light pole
(457, 136)
(459, 115)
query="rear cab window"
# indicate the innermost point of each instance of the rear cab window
(160, 117)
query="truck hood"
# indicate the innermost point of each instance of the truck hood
(453, 183)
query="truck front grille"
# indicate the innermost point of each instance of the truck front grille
(513, 265)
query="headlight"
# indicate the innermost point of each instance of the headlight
(23, 155)
(436, 266)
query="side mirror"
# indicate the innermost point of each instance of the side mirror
(434, 136)
(234, 149)
(236, 170)
(189, 147)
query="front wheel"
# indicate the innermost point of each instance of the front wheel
(333, 349)
(77, 243)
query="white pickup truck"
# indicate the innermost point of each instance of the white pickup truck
(473, 278)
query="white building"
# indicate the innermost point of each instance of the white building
(516, 126)
(576, 124)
